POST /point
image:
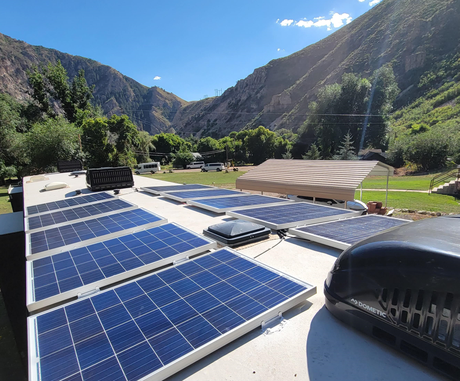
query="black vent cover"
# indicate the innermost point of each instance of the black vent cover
(402, 287)
(69, 166)
(235, 233)
(98, 179)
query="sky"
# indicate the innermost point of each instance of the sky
(194, 49)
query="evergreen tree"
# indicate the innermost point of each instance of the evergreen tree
(346, 150)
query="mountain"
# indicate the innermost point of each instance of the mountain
(411, 35)
(151, 109)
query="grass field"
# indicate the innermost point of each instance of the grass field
(5, 205)
(414, 201)
(220, 179)
(398, 182)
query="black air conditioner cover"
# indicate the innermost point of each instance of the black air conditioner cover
(235, 233)
(403, 288)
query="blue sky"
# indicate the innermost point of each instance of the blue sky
(189, 48)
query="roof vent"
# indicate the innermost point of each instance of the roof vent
(237, 233)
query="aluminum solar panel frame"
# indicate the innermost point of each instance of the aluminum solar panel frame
(245, 201)
(80, 213)
(345, 233)
(154, 326)
(64, 276)
(67, 203)
(279, 217)
(183, 196)
(56, 240)
(156, 190)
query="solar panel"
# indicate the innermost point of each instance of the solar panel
(67, 203)
(55, 240)
(62, 276)
(225, 204)
(156, 325)
(344, 233)
(173, 188)
(293, 214)
(63, 217)
(183, 196)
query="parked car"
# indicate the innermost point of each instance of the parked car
(195, 165)
(355, 205)
(147, 167)
(213, 167)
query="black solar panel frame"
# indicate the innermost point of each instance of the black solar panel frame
(306, 221)
(332, 242)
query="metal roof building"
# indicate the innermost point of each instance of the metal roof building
(335, 179)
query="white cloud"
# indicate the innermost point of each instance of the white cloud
(156, 78)
(361, 1)
(336, 20)
(286, 22)
(374, 2)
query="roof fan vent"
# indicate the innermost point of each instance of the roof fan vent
(237, 233)
(98, 179)
(402, 288)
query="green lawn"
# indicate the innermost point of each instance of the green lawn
(220, 179)
(415, 201)
(398, 182)
(5, 205)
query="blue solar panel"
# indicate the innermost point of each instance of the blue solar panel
(220, 205)
(349, 231)
(77, 213)
(291, 214)
(140, 328)
(173, 188)
(73, 269)
(193, 194)
(68, 202)
(82, 231)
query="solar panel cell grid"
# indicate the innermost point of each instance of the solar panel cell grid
(194, 194)
(290, 214)
(81, 231)
(173, 188)
(222, 204)
(62, 272)
(353, 230)
(66, 203)
(140, 328)
(67, 215)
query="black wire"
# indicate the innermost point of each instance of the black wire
(282, 234)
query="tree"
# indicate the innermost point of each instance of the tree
(260, 144)
(346, 150)
(182, 158)
(167, 143)
(312, 154)
(50, 141)
(143, 147)
(51, 84)
(110, 142)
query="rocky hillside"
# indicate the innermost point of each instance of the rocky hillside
(412, 35)
(151, 109)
